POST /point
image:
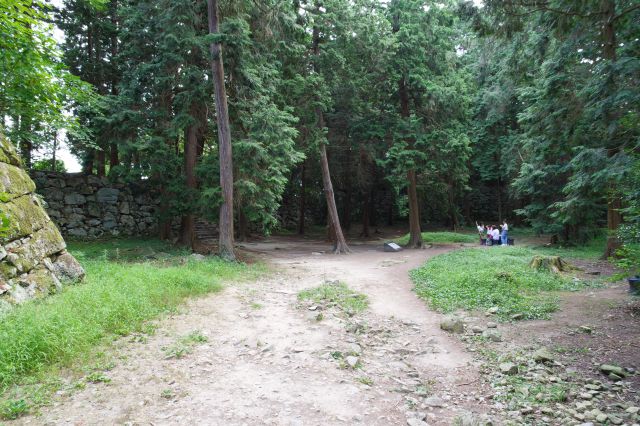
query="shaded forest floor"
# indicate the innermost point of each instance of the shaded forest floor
(257, 354)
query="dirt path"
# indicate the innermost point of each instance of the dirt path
(268, 361)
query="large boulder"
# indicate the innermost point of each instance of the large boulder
(33, 259)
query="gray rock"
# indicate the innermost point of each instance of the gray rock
(517, 317)
(453, 325)
(492, 325)
(477, 329)
(124, 208)
(543, 355)
(493, 310)
(77, 232)
(632, 410)
(613, 369)
(107, 195)
(614, 420)
(585, 329)
(434, 401)
(493, 335)
(414, 421)
(354, 349)
(67, 268)
(352, 361)
(94, 210)
(74, 199)
(508, 368)
(197, 256)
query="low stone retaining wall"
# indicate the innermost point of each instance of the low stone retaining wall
(85, 206)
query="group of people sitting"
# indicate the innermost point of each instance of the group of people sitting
(490, 235)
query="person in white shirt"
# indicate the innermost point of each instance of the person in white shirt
(505, 233)
(495, 235)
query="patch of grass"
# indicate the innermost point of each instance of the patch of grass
(98, 377)
(167, 394)
(116, 299)
(592, 249)
(336, 294)
(443, 238)
(481, 278)
(127, 250)
(12, 409)
(365, 380)
(184, 345)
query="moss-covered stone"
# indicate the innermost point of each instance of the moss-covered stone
(26, 247)
(8, 153)
(67, 268)
(14, 182)
(7, 270)
(41, 281)
(43, 243)
(26, 216)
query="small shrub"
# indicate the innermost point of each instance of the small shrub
(12, 409)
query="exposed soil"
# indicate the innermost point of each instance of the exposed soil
(269, 360)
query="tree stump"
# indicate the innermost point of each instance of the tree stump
(550, 263)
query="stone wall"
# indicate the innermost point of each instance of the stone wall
(86, 206)
(33, 259)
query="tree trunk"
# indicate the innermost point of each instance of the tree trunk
(614, 203)
(54, 151)
(26, 145)
(187, 228)
(100, 159)
(243, 226)
(499, 200)
(114, 159)
(415, 233)
(366, 214)
(164, 226)
(224, 139)
(340, 244)
(301, 205)
(88, 162)
(452, 208)
(346, 216)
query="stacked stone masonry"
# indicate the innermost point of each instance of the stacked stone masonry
(87, 206)
(33, 257)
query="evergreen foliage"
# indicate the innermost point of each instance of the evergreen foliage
(517, 110)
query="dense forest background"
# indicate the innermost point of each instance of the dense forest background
(443, 112)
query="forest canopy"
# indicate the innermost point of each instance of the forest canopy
(341, 111)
